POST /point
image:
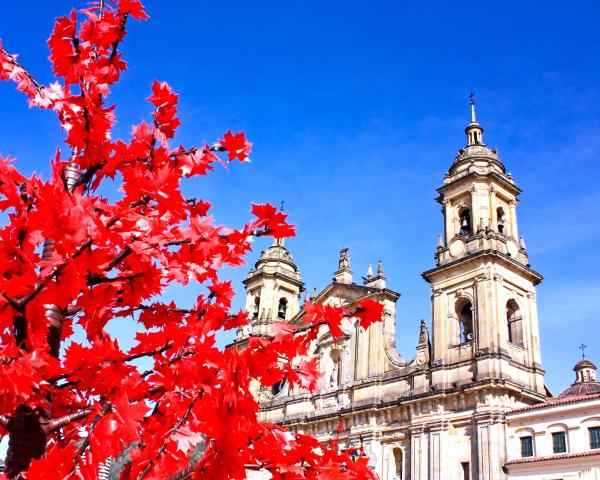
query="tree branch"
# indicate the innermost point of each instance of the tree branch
(60, 422)
(173, 430)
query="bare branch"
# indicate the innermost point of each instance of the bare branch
(60, 422)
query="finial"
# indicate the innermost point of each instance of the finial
(282, 205)
(380, 269)
(472, 102)
(522, 242)
(344, 261)
(314, 293)
(582, 347)
(370, 271)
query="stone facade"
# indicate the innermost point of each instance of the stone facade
(446, 412)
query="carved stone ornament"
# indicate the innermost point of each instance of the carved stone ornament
(457, 247)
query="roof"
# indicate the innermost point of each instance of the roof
(584, 363)
(557, 401)
(581, 388)
(558, 456)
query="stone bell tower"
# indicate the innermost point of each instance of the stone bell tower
(483, 288)
(273, 290)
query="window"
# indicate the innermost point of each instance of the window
(256, 306)
(278, 387)
(464, 311)
(559, 442)
(595, 437)
(466, 470)
(527, 446)
(465, 222)
(282, 309)
(501, 218)
(514, 320)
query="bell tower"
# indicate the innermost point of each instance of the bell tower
(484, 312)
(273, 290)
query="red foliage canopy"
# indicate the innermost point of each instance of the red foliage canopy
(70, 256)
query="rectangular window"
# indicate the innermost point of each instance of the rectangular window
(527, 446)
(466, 470)
(559, 442)
(595, 437)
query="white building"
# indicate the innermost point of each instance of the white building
(559, 438)
(458, 406)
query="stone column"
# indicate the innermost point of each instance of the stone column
(418, 454)
(438, 461)
(514, 232)
(491, 449)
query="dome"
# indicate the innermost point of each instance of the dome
(277, 254)
(585, 380)
(584, 363)
(581, 388)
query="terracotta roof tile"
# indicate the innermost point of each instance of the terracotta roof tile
(553, 402)
(559, 456)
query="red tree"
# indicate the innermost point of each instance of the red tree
(70, 256)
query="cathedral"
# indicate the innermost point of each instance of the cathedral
(471, 403)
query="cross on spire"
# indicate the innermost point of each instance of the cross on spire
(472, 102)
(582, 347)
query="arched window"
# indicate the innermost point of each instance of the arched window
(514, 321)
(282, 309)
(398, 464)
(256, 307)
(464, 312)
(501, 219)
(278, 387)
(465, 222)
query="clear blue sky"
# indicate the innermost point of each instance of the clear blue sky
(356, 110)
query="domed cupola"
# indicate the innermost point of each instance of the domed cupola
(585, 380)
(276, 257)
(476, 153)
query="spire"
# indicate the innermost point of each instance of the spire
(474, 131)
(343, 274)
(377, 281)
(472, 102)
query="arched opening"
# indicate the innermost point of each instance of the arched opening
(278, 387)
(465, 222)
(256, 307)
(398, 463)
(282, 308)
(514, 321)
(501, 220)
(464, 312)
(334, 375)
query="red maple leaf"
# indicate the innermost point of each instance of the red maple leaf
(236, 145)
(368, 311)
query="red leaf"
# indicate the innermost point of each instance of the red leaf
(368, 312)
(236, 145)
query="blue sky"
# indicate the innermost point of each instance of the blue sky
(356, 110)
